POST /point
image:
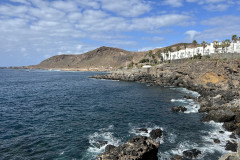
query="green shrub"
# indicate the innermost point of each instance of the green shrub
(130, 65)
(207, 56)
(198, 56)
(144, 60)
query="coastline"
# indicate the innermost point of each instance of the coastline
(216, 81)
(63, 69)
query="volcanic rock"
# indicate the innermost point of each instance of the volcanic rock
(179, 109)
(191, 154)
(219, 116)
(137, 148)
(156, 133)
(231, 146)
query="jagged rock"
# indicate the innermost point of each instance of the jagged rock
(137, 148)
(237, 131)
(99, 144)
(156, 133)
(219, 116)
(231, 146)
(188, 96)
(179, 109)
(237, 117)
(177, 157)
(191, 154)
(230, 126)
(109, 148)
(216, 141)
(233, 136)
(232, 158)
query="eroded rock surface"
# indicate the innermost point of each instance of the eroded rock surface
(137, 148)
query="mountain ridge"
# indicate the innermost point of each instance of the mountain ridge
(100, 59)
(103, 58)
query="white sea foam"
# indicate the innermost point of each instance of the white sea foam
(135, 131)
(183, 146)
(109, 80)
(208, 145)
(182, 100)
(191, 105)
(171, 137)
(104, 134)
(209, 137)
(54, 70)
(184, 90)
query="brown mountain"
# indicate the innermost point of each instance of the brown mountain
(103, 58)
(100, 59)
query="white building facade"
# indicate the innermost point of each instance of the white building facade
(208, 50)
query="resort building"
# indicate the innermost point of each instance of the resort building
(212, 48)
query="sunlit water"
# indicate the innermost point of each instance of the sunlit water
(63, 115)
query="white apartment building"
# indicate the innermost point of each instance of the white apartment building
(208, 50)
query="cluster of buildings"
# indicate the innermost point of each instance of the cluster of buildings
(234, 47)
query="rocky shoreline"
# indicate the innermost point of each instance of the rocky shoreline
(218, 83)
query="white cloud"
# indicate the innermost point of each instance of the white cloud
(65, 5)
(128, 8)
(173, 3)
(20, 1)
(192, 34)
(227, 20)
(220, 27)
(215, 5)
(46, 28)
(155, 22)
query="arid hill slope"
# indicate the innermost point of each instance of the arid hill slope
(103, 58)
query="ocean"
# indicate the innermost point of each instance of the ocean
(51, 114)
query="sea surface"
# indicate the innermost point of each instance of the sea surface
(50, 114)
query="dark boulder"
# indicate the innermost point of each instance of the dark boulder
(204, 102)
(231, 146)
(177, 157)
(191, 154)
(109, 148)
(233, 136)
(237, 131)
(237, 117)
(232, 158)
(230, 126)
(99, 144)
(219, 116)
(179, 109)
(216, 140)
(156, 133)
(138, 148)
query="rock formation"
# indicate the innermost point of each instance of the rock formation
(137, 148)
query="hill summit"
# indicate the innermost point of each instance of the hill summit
(100, 59)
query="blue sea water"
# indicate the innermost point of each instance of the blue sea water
(64, 115)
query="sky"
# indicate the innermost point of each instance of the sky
(33, 30)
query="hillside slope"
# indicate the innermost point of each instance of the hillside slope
(103, 58)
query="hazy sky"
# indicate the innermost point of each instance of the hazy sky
(33, 30)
